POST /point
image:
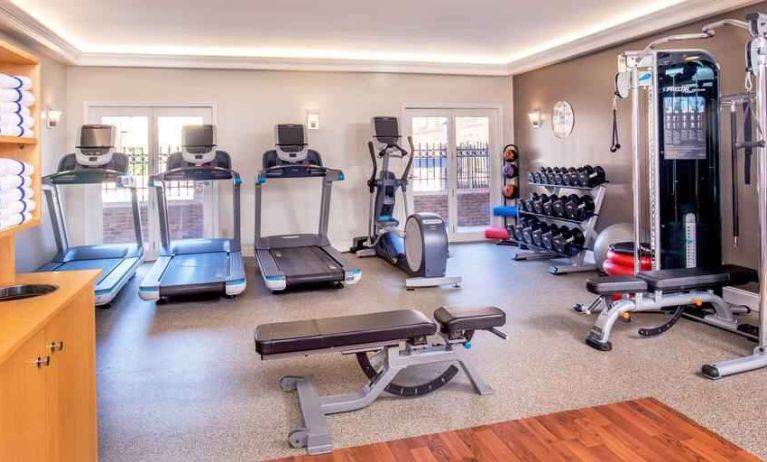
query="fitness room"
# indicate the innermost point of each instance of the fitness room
(407, 231)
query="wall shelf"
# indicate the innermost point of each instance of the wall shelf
(15, 61)
(25, 140)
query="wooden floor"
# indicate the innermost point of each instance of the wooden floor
(641, 430)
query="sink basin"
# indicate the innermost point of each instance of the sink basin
(18, 292)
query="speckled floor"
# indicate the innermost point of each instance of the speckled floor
(181, 381)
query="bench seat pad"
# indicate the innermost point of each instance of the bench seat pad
(343, 331)
(452, 319)
(616, 284)
(679, 279)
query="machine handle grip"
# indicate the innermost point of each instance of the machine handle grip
(406, 173)
(372, 180)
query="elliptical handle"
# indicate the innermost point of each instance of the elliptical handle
(372, 179)
(406, 174)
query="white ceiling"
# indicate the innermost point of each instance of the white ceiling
(462, 32)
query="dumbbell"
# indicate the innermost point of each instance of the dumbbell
(570, 178)
(579, 208)
(559, 175)
(538, 204)
(531, 177)
(548, 238)
(538, 233)
(591, 176)
(527, 230)
(510, 191)
(558, 206)
(547, 175)
(569, 242)
(548, 205)
(528, 204)
(510, 170)
(517, 230)
(510, 153)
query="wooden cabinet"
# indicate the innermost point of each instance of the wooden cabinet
(48, 380)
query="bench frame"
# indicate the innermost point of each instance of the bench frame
(313, 433)
(609, 311)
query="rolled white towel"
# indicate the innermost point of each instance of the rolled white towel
(15, 219)
(14, 181)
(15, 194)
(15, 130)
(15, 167)
(16, 82)
(22, 97)
(24, 206)
(13, 118)
(15, 108)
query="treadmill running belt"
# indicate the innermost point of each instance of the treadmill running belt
(106, 265)
(307, 264)
(196, 269)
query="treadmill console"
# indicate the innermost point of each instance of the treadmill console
(290, 141)
(385, 131)
(198, 144)
(95, 145)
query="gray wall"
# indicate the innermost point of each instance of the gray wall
(587, 83)
(36, 246)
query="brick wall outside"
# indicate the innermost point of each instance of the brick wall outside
(185, 220)
(473, 207)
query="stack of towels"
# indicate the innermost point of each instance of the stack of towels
(16, 194)
(15, 100)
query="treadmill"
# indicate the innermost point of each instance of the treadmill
(299, 259)
(192, 266)
(94, 162)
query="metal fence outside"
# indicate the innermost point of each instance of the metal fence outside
(430, 163)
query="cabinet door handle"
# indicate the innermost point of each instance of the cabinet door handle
(43, 361)
(56, 346)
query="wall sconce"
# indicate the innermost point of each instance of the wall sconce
(535, 118)
(52, 118)
(313, 120)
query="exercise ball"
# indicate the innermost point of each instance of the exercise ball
(619, 232)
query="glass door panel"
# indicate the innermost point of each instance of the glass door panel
(453, 166)
(186, 199)
(472, 164)
(117, 216)
(429, 173)
(148, 135)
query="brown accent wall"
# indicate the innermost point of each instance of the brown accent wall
(587, 84)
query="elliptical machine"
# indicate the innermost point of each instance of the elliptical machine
(421, 250)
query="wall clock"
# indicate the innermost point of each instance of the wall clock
(562, 119)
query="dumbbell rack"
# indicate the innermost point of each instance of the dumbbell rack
(579, 262)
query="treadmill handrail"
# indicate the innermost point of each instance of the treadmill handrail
(169, 175)
(101, 173)
(158, 181)
(326, 171)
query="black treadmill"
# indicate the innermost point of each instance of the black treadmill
(298, 259)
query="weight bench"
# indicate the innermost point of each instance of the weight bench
(397, 340)
(660, 290)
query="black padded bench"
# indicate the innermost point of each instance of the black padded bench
(375, 328)
(672, 280)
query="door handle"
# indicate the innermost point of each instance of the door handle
(43, 361)
(56, 346)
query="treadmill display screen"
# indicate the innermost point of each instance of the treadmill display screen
(290, 135)
(386, 129)
(97, 136)
(198, 135)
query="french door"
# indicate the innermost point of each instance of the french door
(454, 167)
(148, 135)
